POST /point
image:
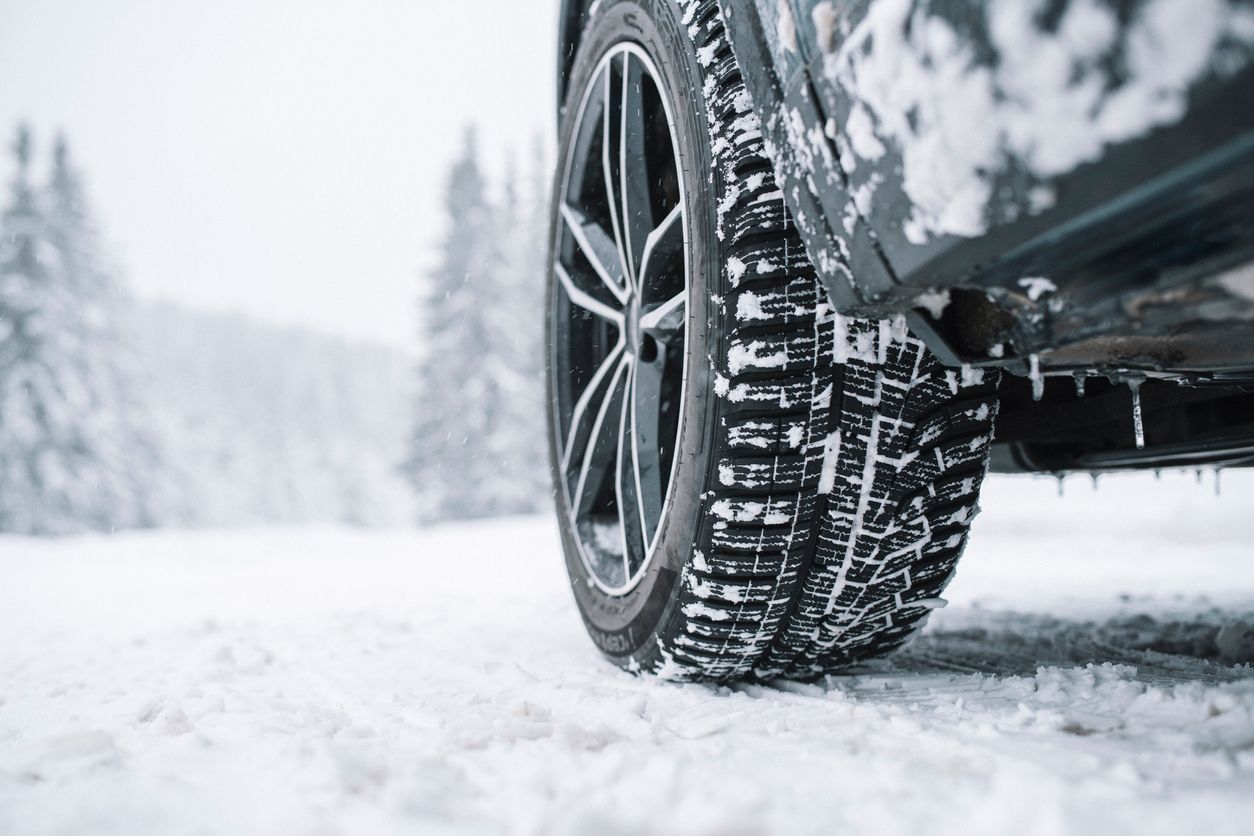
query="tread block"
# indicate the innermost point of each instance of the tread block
(767, 473)
(770, 434)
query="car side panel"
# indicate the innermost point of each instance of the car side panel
(935, 143)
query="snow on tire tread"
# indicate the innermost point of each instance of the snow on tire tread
(849, 459)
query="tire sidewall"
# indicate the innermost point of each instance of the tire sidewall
(625, 627)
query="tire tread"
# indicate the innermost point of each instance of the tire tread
(789, 576)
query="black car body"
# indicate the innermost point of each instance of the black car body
(1060, 188)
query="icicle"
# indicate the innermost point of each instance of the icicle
(1080, 377)
(1094, 477)
(1038, 381)
(1158, 475)
(1138, 423)
(1217, 472)
(1197, 474)
(1062, 482)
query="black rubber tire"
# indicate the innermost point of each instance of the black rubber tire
(829, 468)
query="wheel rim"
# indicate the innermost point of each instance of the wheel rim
(618, 320)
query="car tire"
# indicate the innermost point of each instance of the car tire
(763, 488)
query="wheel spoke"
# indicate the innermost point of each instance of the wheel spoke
(627, 485)
(665, 241)
(664, 321)
(646, 453)
(633, 167)
(586, 408)
(586, 300)
(588, 149)
(599, 455)
(601, 252)
(608, 160)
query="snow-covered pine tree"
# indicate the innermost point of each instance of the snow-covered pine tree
(478, 445)
(71, 458)
(517, 328)
(121, 425)
(459, 392)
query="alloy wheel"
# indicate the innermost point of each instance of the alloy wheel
(618, 318)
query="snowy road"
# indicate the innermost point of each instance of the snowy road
(1092, 674)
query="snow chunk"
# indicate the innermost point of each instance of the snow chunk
(864, 195)
(831, 455)
(786, 26)
(861, 132)
(737, 511)
(699, 610)
(934, 302)
(1037, 287)
(824, 17)
(699, 562)
(749, 308)
(972, 376)
(742, 356)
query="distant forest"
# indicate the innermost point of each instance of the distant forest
(117, 414)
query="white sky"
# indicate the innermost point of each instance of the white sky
(285, 158)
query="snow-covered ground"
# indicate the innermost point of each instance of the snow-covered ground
(1092, 674)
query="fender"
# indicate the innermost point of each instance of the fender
(768, 46)
(1098, 149)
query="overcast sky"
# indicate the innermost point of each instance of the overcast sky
(280, 157)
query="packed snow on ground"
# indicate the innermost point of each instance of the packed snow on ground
(1091, 674)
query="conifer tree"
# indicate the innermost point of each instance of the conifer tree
(478, 447)
(72, 455)
(458, 395)
(26, 300)
(120, 425)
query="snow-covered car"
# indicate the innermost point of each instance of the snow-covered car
(818, 264)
